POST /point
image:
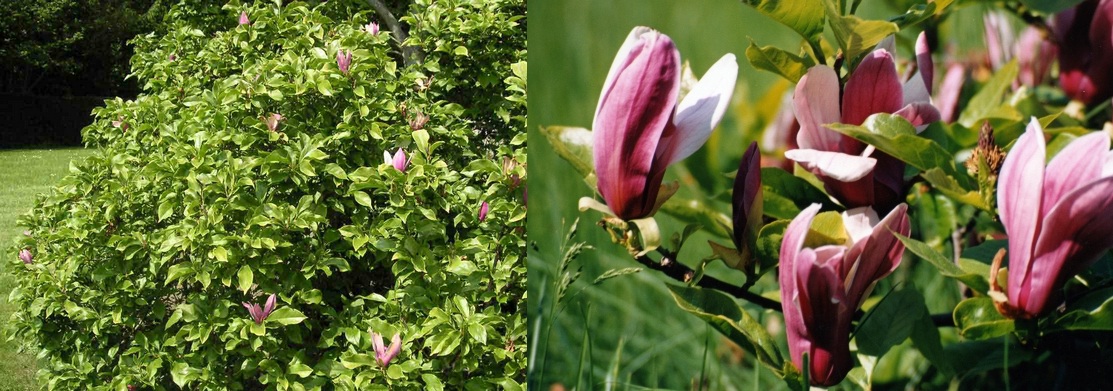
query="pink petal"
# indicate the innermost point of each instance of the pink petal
(377, 343)
(269, 307)
(998, 38)
(859, 222)
(1019, 189)
(1077, 164)
(874, 87)
(816, 103)
(836, 165)
(634, 110)
(949, 92)
(876, 256)
(923, 61)
(825, 315)
(701, 110)
(1075, 233)
(919, 114)
(918, 87)
(395, 347)
(791, 243)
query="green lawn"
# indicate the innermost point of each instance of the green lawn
(23, 175)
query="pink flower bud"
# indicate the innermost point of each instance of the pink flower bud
(398, 161)
(372, 28)
(383, 353)
(640, 128)
(272, 121)
(25, 256)
(483, 211)
(260, 314)
(344, 60)
(243, 18)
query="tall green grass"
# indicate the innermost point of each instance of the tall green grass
(23, 175)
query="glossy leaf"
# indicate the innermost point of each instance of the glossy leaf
(724, 314)
(977, 318)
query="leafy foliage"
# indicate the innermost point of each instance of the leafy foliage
(192, 205)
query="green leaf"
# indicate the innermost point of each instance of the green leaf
(977, 318)
(917, 13)
(245, 278)
(973, 357)
(353, 361)
(976, 281)
(1048, 7)
(950, 187)
(299, 370)
(985, 103)
(724, 314)
(890, 322)
(363, 199)
(785, 195)
(769, 243)
(1094, 311)
(926, 338)
(895, 136)
(803, 16)
(574, 146)
(855, 35)
(421, 139)
(776, 60)
(286, 316)
(324, 87)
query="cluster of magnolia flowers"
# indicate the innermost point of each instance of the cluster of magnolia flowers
(1057, 217)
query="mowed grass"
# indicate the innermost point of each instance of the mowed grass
(23, 175)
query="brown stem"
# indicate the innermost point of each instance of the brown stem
(680, 272)
(410, 54)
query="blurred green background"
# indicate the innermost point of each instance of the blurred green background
(627, 332)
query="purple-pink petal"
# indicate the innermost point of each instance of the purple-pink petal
(700, 111)
(1019, 190)
(483, 211)
(1077, 164)
(634, 110)
(816, 103)
(874, 87)
(1074, 234)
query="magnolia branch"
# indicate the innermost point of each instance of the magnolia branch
(410, 54)
(681, 272)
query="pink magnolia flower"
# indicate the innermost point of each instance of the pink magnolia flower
(172, 57)
(950, 91)
(1032, 51)
(272, 121)
(372, 28)
(398, 161)
(260, 314)
(384, 354)
(243, 18)
(853, 172)
(483, 211)
(1058, 218)
(1085, 36)
(25, 256)
(640, 129)
(120, 123)
(822, 287)
(344, 60)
